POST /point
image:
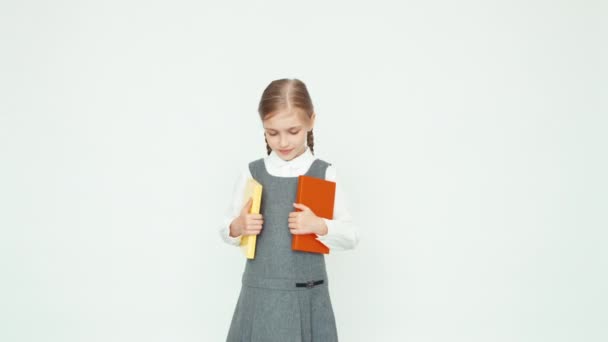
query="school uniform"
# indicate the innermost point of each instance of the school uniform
(342, 233)
(284, 295)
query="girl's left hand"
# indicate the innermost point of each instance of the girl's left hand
(305, 221)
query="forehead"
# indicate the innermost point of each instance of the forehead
(285, 120)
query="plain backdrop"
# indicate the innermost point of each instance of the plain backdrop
(469, 137)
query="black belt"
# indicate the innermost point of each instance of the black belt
(309, 284)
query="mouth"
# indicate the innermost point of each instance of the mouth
(285, 151)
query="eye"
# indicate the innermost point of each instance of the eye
(272, 134)
(295, 132)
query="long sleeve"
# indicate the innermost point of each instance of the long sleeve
(341, 231)
(234, 208)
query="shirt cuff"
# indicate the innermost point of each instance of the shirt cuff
(337, 238)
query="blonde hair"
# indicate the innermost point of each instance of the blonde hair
(286, 94)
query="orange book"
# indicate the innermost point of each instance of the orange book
(317, 194)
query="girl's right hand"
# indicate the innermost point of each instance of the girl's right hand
(246, 223)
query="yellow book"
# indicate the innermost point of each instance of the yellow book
(253, 189)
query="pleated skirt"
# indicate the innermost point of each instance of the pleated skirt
(277, 311)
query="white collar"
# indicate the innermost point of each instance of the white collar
(304, 159)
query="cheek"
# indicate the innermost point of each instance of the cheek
(302, 136)
(273, 140)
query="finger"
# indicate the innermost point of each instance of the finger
(253, 230)
(301, 206)
(250, 220)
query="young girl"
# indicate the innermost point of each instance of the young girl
(284, 295)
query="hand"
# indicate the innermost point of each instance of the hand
(305, 221)
(246, 223)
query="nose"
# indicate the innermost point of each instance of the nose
(283, 141)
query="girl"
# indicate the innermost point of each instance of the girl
(284, 295)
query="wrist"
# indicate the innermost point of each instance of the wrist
(234, 231)
(321, 227)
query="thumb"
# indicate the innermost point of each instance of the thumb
(301, 206)
(247, 207)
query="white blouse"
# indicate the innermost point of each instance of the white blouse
(341, 232)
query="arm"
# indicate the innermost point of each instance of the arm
(341, 231)
(234, 209)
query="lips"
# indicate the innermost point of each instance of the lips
(285, 151)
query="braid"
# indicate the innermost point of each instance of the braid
(268, 149)
(310, 140)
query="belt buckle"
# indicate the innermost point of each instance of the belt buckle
(310, 284)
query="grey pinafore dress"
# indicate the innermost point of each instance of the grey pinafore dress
(282, 298)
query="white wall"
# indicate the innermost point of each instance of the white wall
(470, 137)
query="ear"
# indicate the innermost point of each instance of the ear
(312, 120)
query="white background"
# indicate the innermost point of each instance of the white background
(470, 138)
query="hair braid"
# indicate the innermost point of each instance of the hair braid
(268, 149)
(310, 140)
